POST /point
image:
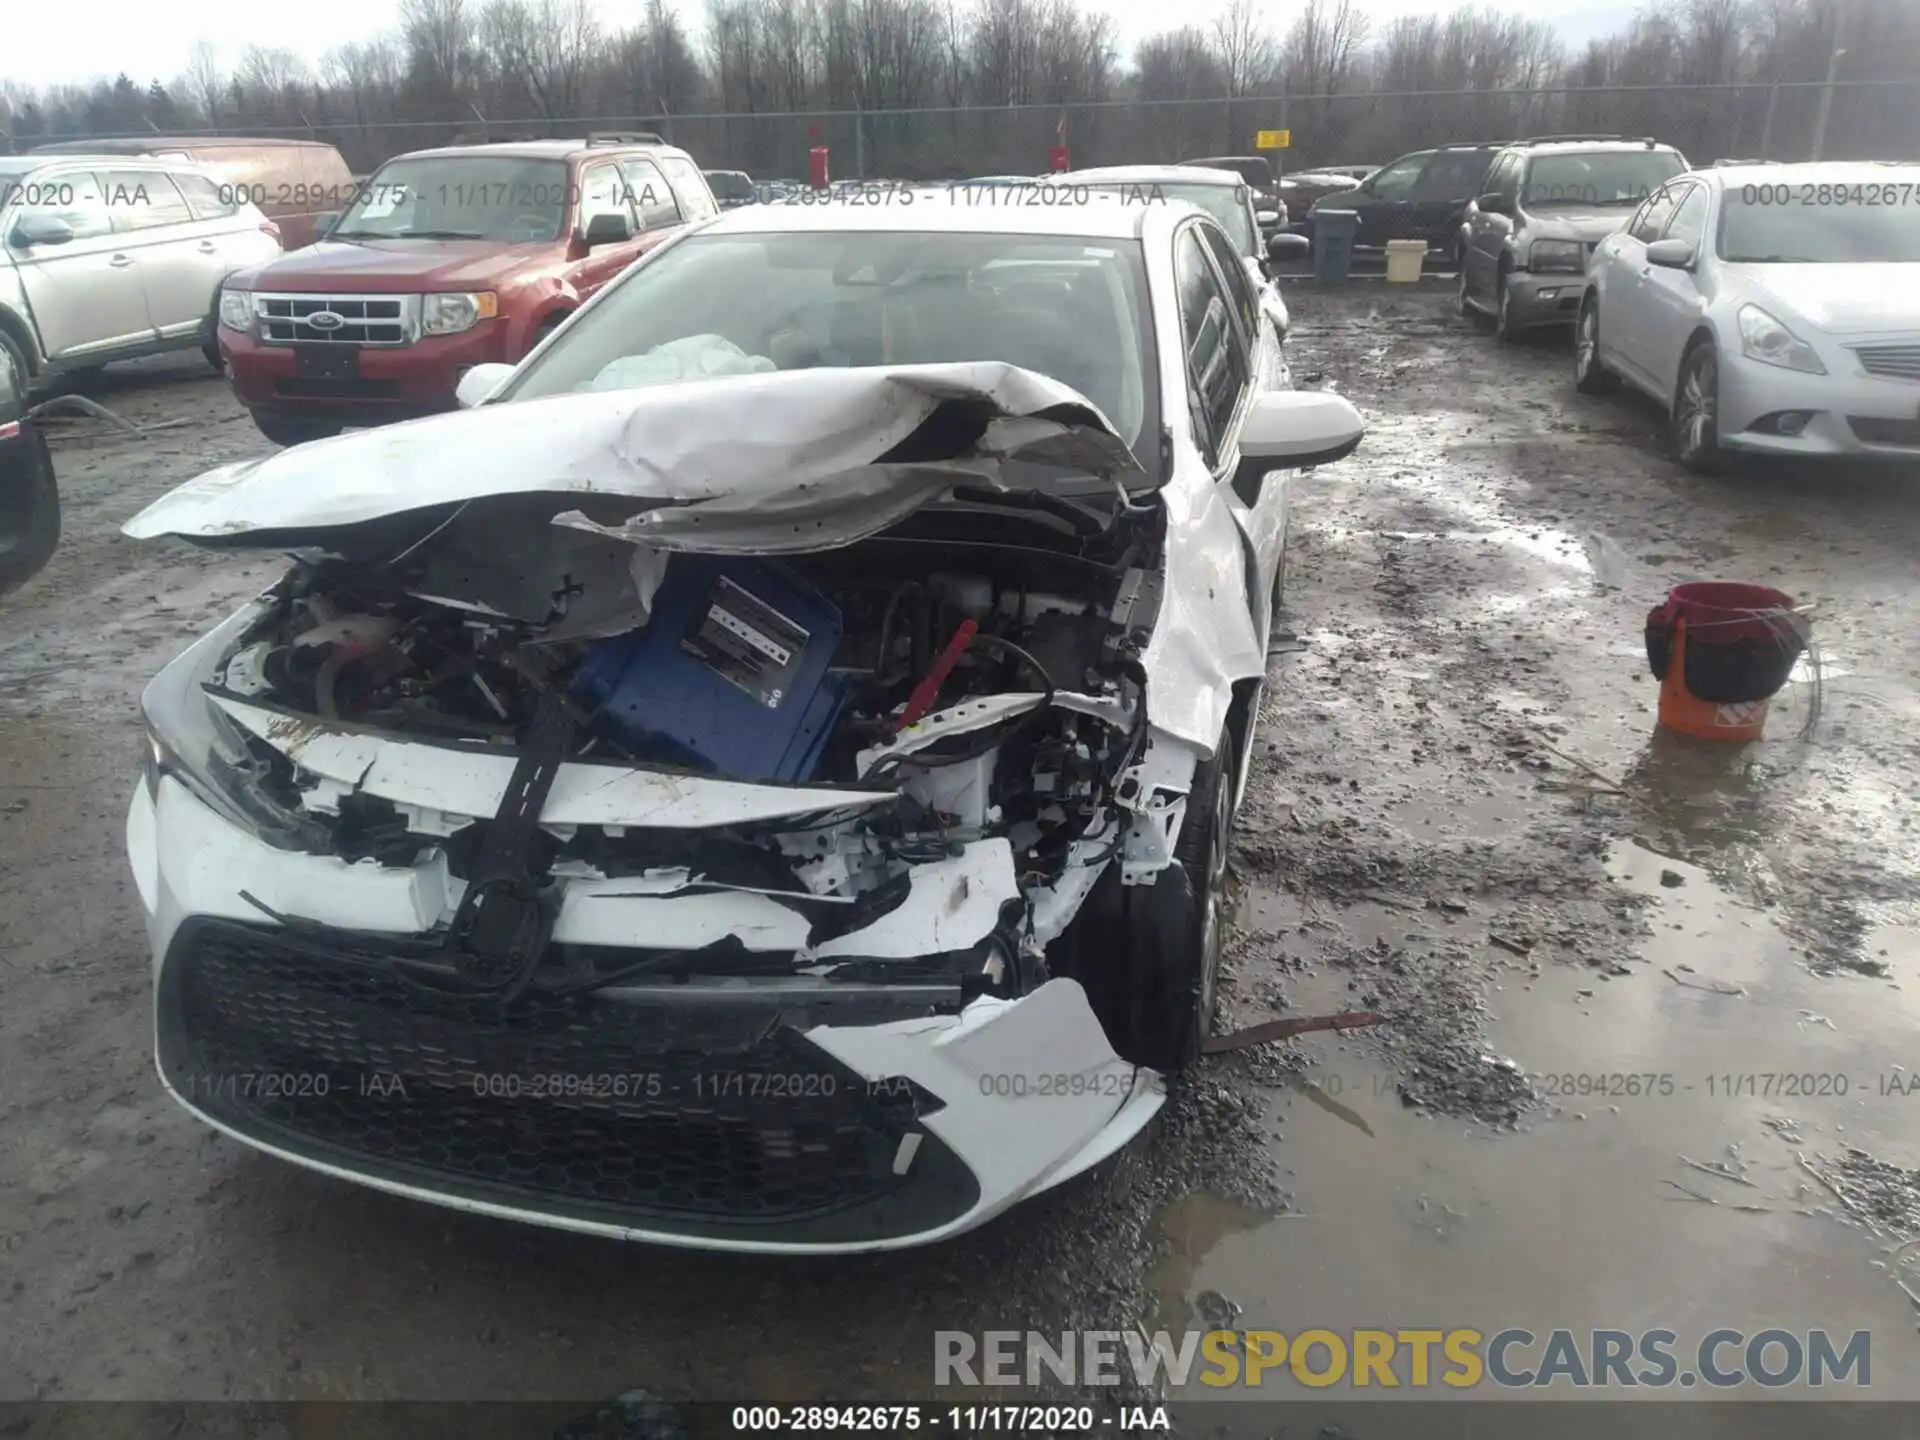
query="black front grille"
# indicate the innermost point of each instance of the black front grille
(699, 1120)
(345, 319)
(1895, 362)
(1876, 431)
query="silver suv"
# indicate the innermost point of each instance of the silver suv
(111, 257)
(1525, 242)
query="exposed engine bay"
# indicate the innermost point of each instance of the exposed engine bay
(976, 700)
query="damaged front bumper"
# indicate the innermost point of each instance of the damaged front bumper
(752, 1113)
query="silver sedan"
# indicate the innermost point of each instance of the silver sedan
(1775, 309)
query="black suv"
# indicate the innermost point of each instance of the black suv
(1417, 197)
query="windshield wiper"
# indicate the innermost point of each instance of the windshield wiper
(436, 235)
(355, 235)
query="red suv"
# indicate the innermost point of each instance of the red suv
(446, 259)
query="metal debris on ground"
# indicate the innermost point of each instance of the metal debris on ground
(101, 412)
(1712, 987)
(1284, 1029)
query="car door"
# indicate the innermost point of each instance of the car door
(604, 190)
(1385, 202)
(1624, 320)
(1440, 195)
(84, 289)
(1487, 234)
(236, 229)
(1673, 304)
(176, 256)
(1220, 385)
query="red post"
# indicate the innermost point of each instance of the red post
(817, 167)
(1059, 158)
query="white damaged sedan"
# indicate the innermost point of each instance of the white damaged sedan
(760, 778)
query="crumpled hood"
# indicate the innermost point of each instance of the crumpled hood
(779, 463)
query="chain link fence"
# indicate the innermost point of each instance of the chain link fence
(1867, 120)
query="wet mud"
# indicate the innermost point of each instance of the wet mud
(1463, 816)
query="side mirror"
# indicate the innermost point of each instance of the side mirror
(1293, 430)
(1493, 203)
(607, 228)
(39, 228)
(1671, 254)
(1266, 218)
(1282, 248)
(480, 382)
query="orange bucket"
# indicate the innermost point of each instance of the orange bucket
(1682, 710)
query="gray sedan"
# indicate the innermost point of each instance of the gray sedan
(1774, 309)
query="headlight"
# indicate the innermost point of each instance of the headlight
(189, 739)
(236, 309)
(1765, 339)
(1565, 256)
(452, 313)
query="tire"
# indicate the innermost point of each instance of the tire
(214, 358)
(1460, 300)
(285, 430)
(1505, 328)
(32, 513)
(1174, 931)
(19, 358)
(1590, 375)
(547, 327)
(1696, 410)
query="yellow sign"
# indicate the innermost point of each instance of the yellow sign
(1272, 139)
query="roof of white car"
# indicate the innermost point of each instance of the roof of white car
(1814, 172)
(1152, 175)
(985, 211)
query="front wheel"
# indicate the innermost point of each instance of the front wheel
(214, 358)
(1696, 410)
(1176, 930)
(1590, 375)
(285, 430)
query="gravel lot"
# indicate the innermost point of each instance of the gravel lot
(1464, 817)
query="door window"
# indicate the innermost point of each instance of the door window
(145, 200)
(602, 192)
(1648, 225)
(689, 188)
(1689, 221)
(1396, 180)
(1452, 175)
(205, 197)
(71, 196)
(652, 196)
(1217, 359)
(1504, 177)
(1241, 296)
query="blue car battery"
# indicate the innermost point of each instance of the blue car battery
(729, 673)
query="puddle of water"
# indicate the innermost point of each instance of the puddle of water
(1405, 1220)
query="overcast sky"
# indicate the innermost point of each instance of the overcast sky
(80, 40)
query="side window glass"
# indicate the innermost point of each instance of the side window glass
(1653, 216)
(690, 189)
(144, 200)
(205, 197)
(1689, 221)
(652, 196)
(602, 193)
(73, 197)
(1398, 177)
(1216, 355)
(1504, 178)
(1241, 296)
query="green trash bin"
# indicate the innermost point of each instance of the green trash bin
(1333, 236)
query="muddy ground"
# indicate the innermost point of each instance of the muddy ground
(1464, 818)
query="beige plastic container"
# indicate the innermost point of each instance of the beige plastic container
(1404, 258)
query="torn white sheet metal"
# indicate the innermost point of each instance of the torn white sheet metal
(954, 904)
(742, 455)
(594, 913)
(997, 1064)
(471, 782)
(982, 713)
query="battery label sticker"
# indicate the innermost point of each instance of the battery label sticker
(748, 643)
